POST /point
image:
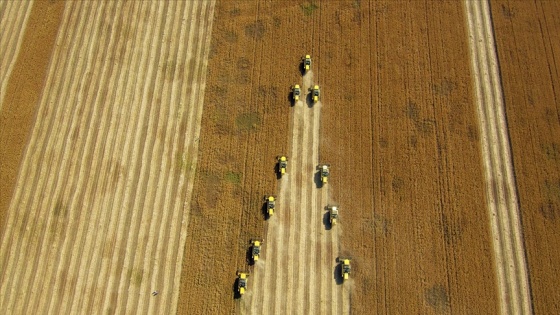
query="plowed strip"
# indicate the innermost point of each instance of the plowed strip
(500, 184)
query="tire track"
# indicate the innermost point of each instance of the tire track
(296, 226)
(85, 149)
(313, 298)
(511, 267)
(302, 255)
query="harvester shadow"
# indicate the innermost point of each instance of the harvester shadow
(317, 179)
(309, 100)
(277, 171)
(302, 68)
(249, 256)
(338, 274)
(236, 294)
(264, 211)
(327, 221)
(291, 99)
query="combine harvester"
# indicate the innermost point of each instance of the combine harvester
(307, 63)
(296, 92)
(242, 281)
(270, 204)
(282, 164)
(256, 251)
(316, 92)
(345, 262)
(325, 170)
(333, 217)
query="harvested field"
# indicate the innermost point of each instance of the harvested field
(528, 44)
(13, 22)
(98, 216)
(20, 94)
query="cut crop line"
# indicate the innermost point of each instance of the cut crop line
(162, 202)
(13, 27)
(511, 268)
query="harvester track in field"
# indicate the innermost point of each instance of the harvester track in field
(503, 208)
(297, 273)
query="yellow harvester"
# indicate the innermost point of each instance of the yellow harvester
(345, 262)
(282, 164)
(242, 281)
(333, 210)
(296, 92)
(325, 170)
(316, 92)
(256, 251)
(307, 62)
(270, 204)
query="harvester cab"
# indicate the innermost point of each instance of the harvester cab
(270, 204)
(256, 251)
(242, 281)
(282, 164)
(325, 170)
(307, 62)
(346, 269)
(296, 92)
(333, 210)
(316, 92)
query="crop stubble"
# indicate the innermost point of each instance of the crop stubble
(528, 43)
(13, 22)
(98, 214)
(23, 75)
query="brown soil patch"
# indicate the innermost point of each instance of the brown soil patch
(527, 39)
(22, 94)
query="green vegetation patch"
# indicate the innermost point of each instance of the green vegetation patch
(437, 297)
(247, 121)
(255, 30)
(233, 177)
(309, 7)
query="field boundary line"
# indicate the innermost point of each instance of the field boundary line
(502, 200)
